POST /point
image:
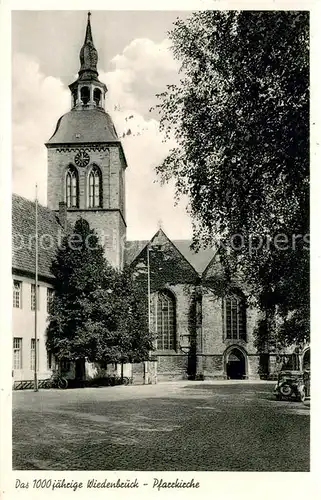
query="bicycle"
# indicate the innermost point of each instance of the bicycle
(57, 381)
(112, 380)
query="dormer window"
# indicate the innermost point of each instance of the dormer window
(97, 97)
(85, 95)
(72, 188)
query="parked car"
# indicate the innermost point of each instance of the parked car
(292, 384)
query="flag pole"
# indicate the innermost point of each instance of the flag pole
(36, 294)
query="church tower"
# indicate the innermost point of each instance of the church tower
(86, 162)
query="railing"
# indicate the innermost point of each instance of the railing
(19, 385)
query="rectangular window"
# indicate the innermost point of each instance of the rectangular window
(50, 295)
(33, 297)
(17, 293)
(33, 354)
(17, 353)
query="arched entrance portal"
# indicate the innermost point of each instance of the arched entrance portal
(235, 364)
(306, 360)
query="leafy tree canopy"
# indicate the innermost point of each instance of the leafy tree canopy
(97, 312)
(240, 117)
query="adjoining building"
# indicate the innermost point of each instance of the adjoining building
(24, 289)
(200, 332)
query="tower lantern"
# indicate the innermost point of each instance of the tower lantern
(87, 91)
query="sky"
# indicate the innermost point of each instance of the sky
(135, 62)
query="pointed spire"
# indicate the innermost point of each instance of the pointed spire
(88, 56)
(87, 92)
(88, 37)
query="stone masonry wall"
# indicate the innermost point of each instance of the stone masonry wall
(214, 343)
(175, 364)
(108, 220)
(107, 158)
(110, 228)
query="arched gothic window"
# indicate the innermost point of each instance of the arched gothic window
(234, 317)
(94, 188)
(164, 319)
(72, 188)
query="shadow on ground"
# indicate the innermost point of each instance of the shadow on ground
(187, 427)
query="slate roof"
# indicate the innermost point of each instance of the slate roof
(23, 236)
(199, 260)
(80, 126)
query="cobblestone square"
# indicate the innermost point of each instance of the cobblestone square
(213, 426)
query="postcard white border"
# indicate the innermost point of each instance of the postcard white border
(214, 485)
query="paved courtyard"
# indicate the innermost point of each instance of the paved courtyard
(172, 426)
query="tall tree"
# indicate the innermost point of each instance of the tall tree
(97, 313)
(240, 117)
(128, 339)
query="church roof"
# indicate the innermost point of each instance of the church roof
(198, 260)
(133, 248)
(23, 236)
(50, 230)
(84, 126)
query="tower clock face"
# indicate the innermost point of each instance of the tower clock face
(82, 159)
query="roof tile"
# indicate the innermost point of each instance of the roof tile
(23, 236)
(199, 260)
